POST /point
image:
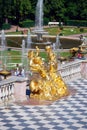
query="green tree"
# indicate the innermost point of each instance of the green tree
(5, 10)
(25, 9)
(55, 10)
(20, 10)
(33, 9)
(82, 9)
(14, 11)
(71, 10)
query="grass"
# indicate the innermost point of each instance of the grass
(11, 56)
(65, 30)
(62, 54)
(14, 33)
(14, 56)
(56, 30)
(65, 54)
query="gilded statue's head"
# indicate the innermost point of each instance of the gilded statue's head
(48, 49)
(37, 60)
(37, 48)
(30, 54)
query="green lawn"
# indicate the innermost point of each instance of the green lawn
(15, 33)
(15, 57)
(56, 30)
(62, 54)
(65, 31)
(8, 57)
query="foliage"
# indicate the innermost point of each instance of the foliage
(66, 30)
(15, 11)
(65, 54)
(77, 22)
(26, 23)
(81, 29)
(6, 26)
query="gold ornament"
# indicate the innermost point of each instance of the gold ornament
(47, 84)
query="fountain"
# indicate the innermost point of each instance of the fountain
(39, 16)
(23, 51)
(39, 31)
(29, 40)
(4, 72)
(57, 44)
(46, 83)
(3, 48)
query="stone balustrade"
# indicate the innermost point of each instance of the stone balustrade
(84, 69)
(6, 90)
(14, 88)
(70, 71)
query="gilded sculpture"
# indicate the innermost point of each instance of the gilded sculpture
(48, 84)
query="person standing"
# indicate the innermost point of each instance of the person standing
(23, 72)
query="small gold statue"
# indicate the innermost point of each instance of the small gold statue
(48, 84)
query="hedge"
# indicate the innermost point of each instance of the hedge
(77, 23)
(6, 26)
(26, 23)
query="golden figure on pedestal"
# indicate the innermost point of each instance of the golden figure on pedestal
(47, 84)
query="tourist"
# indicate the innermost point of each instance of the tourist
(20, 72)
(79, 53)
(17, 72)
(83, 39)
(23, 72)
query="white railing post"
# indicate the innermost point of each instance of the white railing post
(3, 94)
(12, 91)
(70, 71)
(0, 95)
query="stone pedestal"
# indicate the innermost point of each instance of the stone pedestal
(20, 91)
(84, 69)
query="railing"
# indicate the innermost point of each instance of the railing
(70, 71)
(84, 69)
(6, 90)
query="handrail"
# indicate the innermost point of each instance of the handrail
(7, 88)
(70, 71)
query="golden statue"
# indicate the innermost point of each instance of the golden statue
(47, 83)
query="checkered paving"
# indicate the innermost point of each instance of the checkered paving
(65, 114)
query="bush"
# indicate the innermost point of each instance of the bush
(46, 20)
(26, 23)
(9, 49)
(61, 27)
(6, 26)
(81, 29)
(61, 34)
(77, 23)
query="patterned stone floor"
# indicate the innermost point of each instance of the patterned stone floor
(65, 114)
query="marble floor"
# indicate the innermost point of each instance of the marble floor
(68, 113)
